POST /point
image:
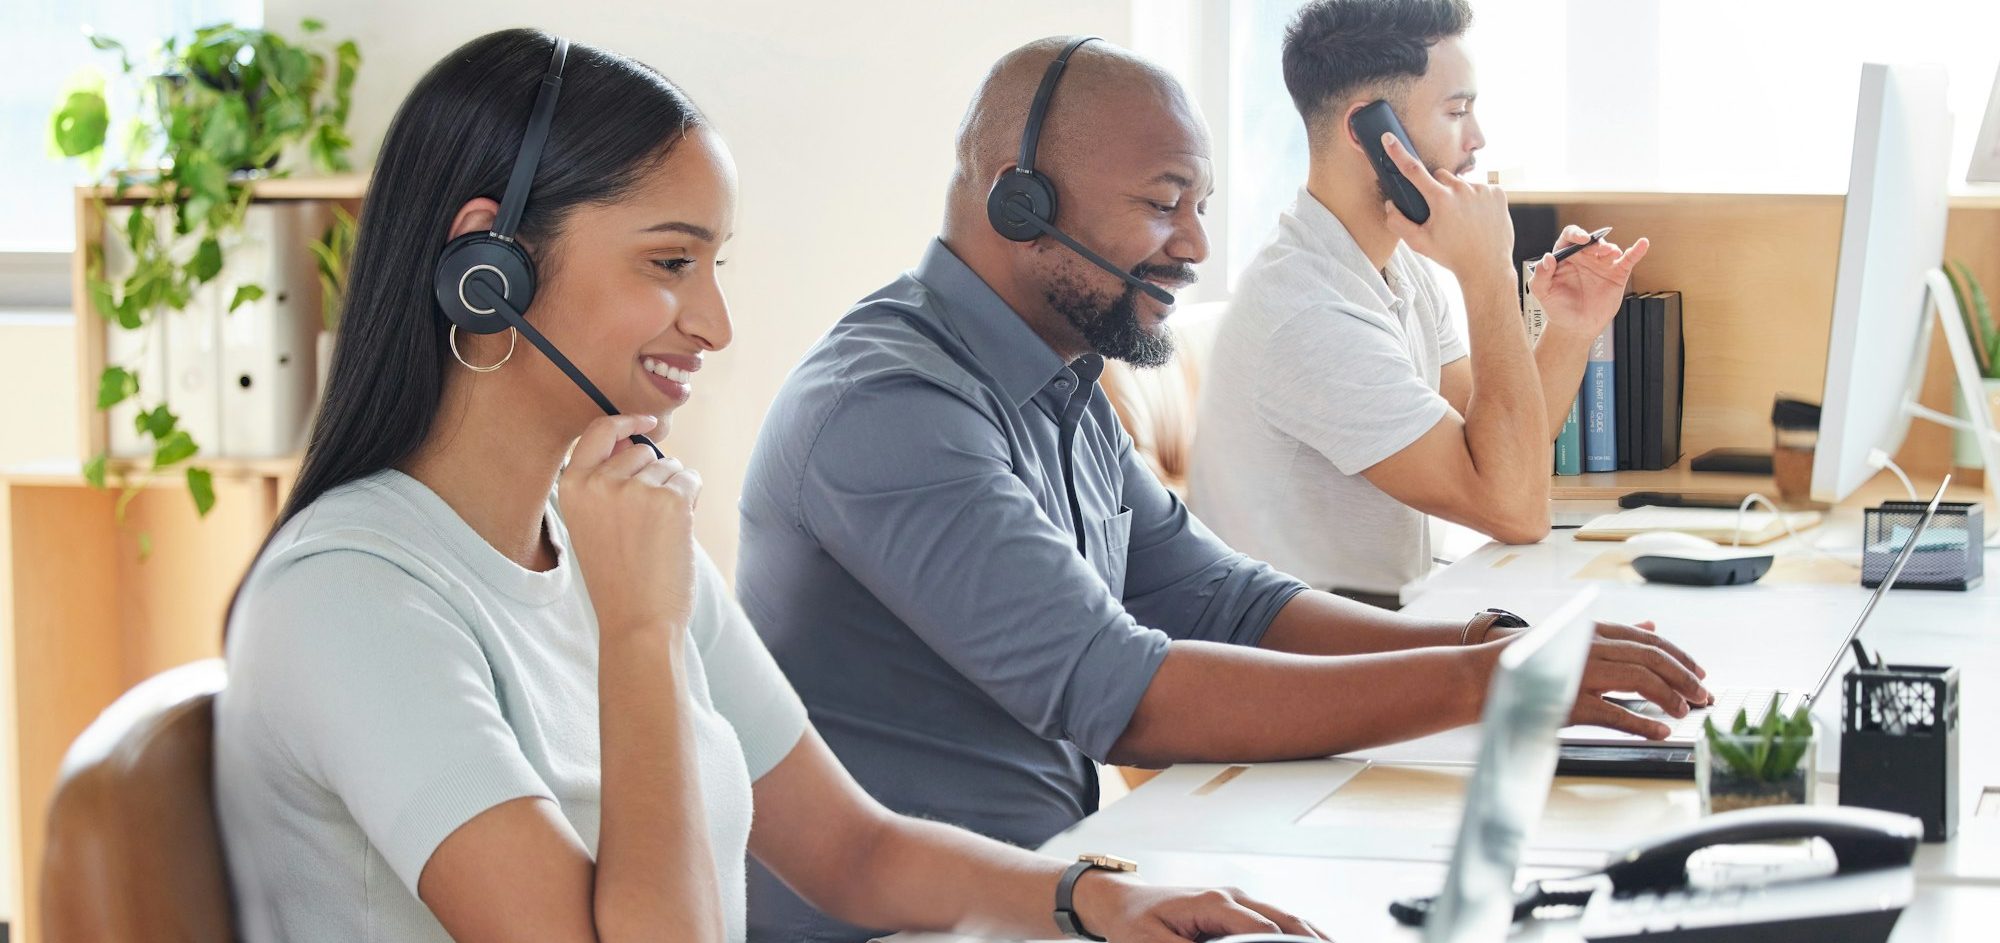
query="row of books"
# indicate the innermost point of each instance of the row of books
(1627, 414)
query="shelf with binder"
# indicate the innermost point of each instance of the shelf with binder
(240, 380)
(100, 589)
(1756, 273)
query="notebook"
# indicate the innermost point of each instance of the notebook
(1759, 527)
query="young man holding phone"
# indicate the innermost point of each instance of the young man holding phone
(1341, 408)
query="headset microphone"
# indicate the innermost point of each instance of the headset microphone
(484, 293)
(1165, 297)
(1022, 204)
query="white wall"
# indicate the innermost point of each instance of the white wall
(38, 386)
(841, 118)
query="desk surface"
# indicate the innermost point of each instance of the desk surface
(1349, 898)
(1336, 839)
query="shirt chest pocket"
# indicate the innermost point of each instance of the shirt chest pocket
(1105, 544)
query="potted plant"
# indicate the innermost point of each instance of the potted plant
(216, 111)
(332, 252)
(1985, 335)
(1772, 763)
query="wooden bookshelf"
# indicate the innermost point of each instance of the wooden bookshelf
(1756, 275)
(85, 611)
(92, 424)
(1597, 486)
(339, 187)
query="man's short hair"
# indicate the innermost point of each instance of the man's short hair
(1335, 47)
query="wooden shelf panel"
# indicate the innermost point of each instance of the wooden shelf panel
(1609, 486)
(326, 187)
(232, 469)
(1563, 197)
(64, 472)
(1962, 197)
(1679, 479)
(83, 617)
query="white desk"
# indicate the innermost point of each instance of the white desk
(1336, 840)
(1349, 898)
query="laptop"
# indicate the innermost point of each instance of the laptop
(1528, 700)
(1601, 751)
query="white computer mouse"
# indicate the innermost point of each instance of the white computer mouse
(1669, 542)
(1684, 559)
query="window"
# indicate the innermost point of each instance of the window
(1699, 95)
(46, 52)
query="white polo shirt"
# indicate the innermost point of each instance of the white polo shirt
(1322, 367)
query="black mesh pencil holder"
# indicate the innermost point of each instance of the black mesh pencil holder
(1899, 743)
(1949, 555)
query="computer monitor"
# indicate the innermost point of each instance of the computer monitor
(1985, 164)
(1891, 247)
(1528, 700)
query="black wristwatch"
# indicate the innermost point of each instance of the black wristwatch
(1066, 919)
(1477, 628)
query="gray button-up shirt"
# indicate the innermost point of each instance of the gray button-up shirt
(954, 553)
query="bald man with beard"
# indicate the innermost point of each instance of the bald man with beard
(979, 589)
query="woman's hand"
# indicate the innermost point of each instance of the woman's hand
(1123, 909)
(631, 523)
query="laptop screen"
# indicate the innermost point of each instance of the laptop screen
(1888, 580)
(1531, 695)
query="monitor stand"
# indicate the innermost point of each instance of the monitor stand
(1965, 369)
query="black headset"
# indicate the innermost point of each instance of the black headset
(485, 280)
(1022, 204)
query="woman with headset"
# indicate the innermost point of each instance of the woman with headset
(483, 683)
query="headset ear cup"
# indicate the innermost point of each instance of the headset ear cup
(1017, 196)
(500, 263)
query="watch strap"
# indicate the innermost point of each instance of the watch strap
(1066, 919)
(1482, 624)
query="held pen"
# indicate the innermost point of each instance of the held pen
(1572, 249)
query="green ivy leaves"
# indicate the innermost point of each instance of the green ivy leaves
(244, 295)
(115, 386)
(202, 487)
(216, 109)
(80, 123)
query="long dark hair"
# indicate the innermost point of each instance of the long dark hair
(454, 139)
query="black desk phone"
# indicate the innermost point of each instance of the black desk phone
(1644, 895)
(1649, 898)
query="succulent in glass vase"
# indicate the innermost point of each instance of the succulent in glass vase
(1770, 763)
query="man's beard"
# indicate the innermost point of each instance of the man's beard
(1112, 328)
(1382, 186)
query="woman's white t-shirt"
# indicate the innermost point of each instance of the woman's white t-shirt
(392, 675)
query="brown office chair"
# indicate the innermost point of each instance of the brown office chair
(133, 850)
(1157, 407)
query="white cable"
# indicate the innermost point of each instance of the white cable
(1944, 419)
(1736, 538)
(1880, 459)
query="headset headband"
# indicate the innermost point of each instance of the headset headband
(1032, 134)
(515, 200)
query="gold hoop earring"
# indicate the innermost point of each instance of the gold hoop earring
(512, 337)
